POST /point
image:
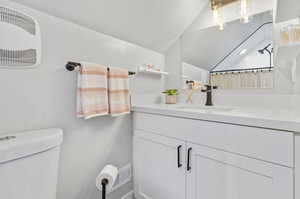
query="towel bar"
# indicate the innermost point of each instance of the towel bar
(72, 65)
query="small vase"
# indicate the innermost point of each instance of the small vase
(171, 99)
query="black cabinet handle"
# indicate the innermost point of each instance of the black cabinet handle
(178, 156)
(189, 159)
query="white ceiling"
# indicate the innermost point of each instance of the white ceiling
(205, 48)
(251, 58)
(154, 24)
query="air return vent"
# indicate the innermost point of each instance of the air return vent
(20, 41)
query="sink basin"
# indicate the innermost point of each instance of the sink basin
(207, 108)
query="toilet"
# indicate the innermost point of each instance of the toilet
(29, 164)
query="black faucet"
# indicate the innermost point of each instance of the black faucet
(208, 92)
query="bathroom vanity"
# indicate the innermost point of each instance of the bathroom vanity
(185, 154)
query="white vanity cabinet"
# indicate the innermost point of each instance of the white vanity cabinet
(159, 166)
(297, 166)
(215, 174)
(215, 161)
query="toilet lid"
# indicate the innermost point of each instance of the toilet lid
(18, 145)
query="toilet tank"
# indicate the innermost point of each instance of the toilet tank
(29, 164)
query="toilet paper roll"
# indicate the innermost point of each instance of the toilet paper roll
(110, 173)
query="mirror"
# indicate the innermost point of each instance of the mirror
(238, 57)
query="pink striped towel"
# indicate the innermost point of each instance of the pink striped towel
(118, 92)
(92, 97)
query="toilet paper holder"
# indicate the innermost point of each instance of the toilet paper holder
(106, 179)
(104, 183)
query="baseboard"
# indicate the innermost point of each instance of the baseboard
(129, 195)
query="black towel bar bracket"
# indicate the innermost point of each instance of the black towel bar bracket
(72, 65)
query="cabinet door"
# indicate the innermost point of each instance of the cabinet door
(217, 174)
(159, 167)
(297, 165)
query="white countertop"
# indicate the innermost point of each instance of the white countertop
(287, 120)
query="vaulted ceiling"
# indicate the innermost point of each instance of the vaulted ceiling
(153, 24)
(207, 47)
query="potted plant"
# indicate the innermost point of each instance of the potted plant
(171, 96)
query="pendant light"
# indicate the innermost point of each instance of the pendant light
(217, 7)
(218, 15)
(245, 10)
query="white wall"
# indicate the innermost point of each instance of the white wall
(45, 97)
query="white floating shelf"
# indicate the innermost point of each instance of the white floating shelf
(151, 71)
(287, 10)
(288, 51)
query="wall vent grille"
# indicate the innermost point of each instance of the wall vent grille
(20, 46)
(13, 17)
(18, 57)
